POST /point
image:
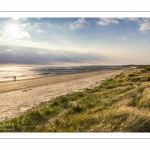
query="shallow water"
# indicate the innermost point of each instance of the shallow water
(26, 72)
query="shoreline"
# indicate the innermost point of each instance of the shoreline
(36, 81)
(22, 95)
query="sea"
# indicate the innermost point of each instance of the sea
(27, 72)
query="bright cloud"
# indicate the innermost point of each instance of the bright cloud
(133, 19)
(65, 41)
(14, 31)
(15, 18)
(17, 34)
(64, 45)
(25, 34)
(79, 24)
(144, 26)
(40, 31)
(122, 38)
(7, 50)
(107, 21)
(26, 24)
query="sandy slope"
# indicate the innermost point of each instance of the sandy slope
(17, 97)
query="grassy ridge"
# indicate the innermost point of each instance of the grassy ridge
(121, 104)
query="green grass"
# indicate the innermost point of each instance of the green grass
(147, 68)
(121, 104)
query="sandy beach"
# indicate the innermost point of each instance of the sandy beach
(17, 97)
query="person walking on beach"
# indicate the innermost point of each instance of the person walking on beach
(14, 78)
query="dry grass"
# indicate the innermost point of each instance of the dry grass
(121, 104)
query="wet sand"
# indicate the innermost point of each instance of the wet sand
(17, 97)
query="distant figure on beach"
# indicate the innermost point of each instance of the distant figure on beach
(14, 78)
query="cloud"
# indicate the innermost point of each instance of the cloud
(25, 34)
(64, 45)
(107, 21)
(122, 38)
(30, 26)
(15, 18)
(15, 30)
(24, 19)
(64, 41)
(18, 18)
(26, 24)
(79, 24)
(145, 26)
(17, 35)
(7, 50)
(134, 19)
(38, 27)
(13, 54)
(40, 31)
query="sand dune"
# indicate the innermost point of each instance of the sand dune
(17, 97)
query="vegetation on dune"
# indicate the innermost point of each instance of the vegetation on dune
(121, 104)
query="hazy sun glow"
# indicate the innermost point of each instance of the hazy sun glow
(13, 31)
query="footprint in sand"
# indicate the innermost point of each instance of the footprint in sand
(24, 90)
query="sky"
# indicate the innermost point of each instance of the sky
(92, 41)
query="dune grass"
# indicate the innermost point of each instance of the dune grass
(121, 104)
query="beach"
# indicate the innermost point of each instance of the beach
(22, 95)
